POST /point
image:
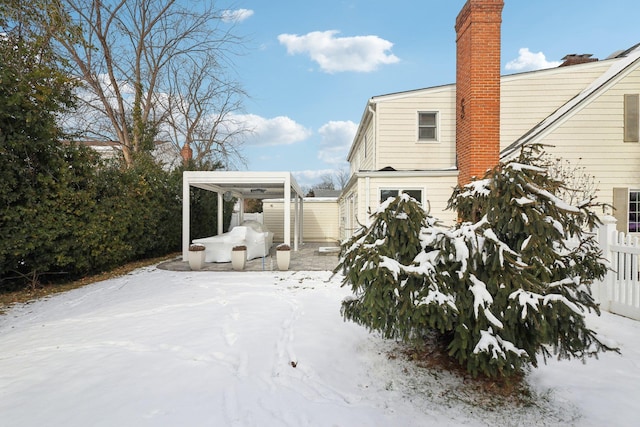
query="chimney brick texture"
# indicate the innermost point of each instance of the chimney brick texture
(186, 153)
(478, 88)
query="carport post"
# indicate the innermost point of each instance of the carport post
(296, 223)
(220, 211)
(185, 218)
(287, 211)
(301, 222)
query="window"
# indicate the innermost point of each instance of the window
(634, 211)
(631, 117)
(626, 203)
(386, 193)
(416, 194)
(427, 127)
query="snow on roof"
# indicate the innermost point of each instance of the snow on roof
(625, 60)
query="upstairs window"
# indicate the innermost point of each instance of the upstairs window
(427, 126)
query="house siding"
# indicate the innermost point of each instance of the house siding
(528, 98)
(593, 138)
(320, 219)
(436, 191)
(362, 154)
(398, 145)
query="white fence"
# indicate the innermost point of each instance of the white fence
(619, 292)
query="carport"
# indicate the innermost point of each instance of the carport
(244, 185)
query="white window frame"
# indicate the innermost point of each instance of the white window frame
(633, 211)
(402, 190)
(436, 137)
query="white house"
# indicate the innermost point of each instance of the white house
(425, 141)
(589, 112)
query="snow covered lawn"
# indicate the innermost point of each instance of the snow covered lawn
(160, 348)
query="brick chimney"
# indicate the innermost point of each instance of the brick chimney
(574, 59)
(186, 153)
(478, 88)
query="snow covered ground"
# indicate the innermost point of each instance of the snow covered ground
(160, 348)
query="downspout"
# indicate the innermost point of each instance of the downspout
(374, 143)
(367, 185)
(374, 146)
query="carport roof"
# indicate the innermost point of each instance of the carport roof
(247, 185)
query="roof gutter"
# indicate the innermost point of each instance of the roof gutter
(368, 111)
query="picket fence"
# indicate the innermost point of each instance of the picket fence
(619, 292)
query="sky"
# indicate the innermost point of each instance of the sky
(310, 67)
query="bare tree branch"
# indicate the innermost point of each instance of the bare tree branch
(136, 58)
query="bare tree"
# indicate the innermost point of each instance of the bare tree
(326, 182)
(128, 58)
(342, 177)
(199, 107)
(578, 186)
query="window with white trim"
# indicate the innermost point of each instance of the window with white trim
(626, 204)
(634, 211)
(427, 126)
(393, 192)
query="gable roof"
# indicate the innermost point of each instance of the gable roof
(623, 62)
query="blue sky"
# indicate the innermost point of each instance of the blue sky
(310, 67)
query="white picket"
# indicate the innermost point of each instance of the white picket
(620, 291)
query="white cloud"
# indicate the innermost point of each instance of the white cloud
(237, 15)
(336, 138)
(529, 61)
(336, 54)
(279, 130)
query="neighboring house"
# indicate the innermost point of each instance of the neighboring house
(416, 141)
(163, 151)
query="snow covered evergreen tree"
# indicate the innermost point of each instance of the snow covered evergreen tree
(511, 282)
(392, 290)
(532, 259)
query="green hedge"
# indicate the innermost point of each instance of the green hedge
(85, 216)
(63, 212)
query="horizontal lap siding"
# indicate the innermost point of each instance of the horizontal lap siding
(436, 190)
(320, 220)
(593, 139)
(367, 161)
(397, 121)
(528, 98)
(364, 154)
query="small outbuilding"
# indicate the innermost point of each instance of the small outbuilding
(246, 185)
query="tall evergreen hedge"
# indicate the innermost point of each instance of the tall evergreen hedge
(63, 211)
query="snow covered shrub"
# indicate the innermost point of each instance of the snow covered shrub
(395, 293)
(511, 282)
(524, 288)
